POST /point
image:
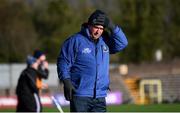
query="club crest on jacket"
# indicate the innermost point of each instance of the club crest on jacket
(105, 49)
(86, 50)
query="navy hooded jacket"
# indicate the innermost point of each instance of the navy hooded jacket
(86, 63)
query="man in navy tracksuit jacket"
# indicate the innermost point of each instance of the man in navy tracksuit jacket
(83, 63)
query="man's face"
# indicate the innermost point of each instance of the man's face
(96, 31)
(42, 58)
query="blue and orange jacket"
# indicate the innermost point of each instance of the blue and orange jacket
(86, 63)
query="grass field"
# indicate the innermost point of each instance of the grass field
(123, 108)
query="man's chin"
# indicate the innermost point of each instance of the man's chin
(96, 37)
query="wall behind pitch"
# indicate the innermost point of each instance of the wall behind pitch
(9, 74)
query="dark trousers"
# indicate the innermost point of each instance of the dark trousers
(87, 104)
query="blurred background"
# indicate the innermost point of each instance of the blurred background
(146, 73)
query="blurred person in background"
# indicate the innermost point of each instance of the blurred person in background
(26, 90)
(30, 83)
(43, 70)
(83, 63)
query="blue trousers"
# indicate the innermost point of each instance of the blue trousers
(87, 104)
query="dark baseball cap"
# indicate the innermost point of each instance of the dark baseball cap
(38, 53)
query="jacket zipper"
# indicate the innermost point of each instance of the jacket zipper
(94, 96)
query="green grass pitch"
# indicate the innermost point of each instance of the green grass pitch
(122, 108)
